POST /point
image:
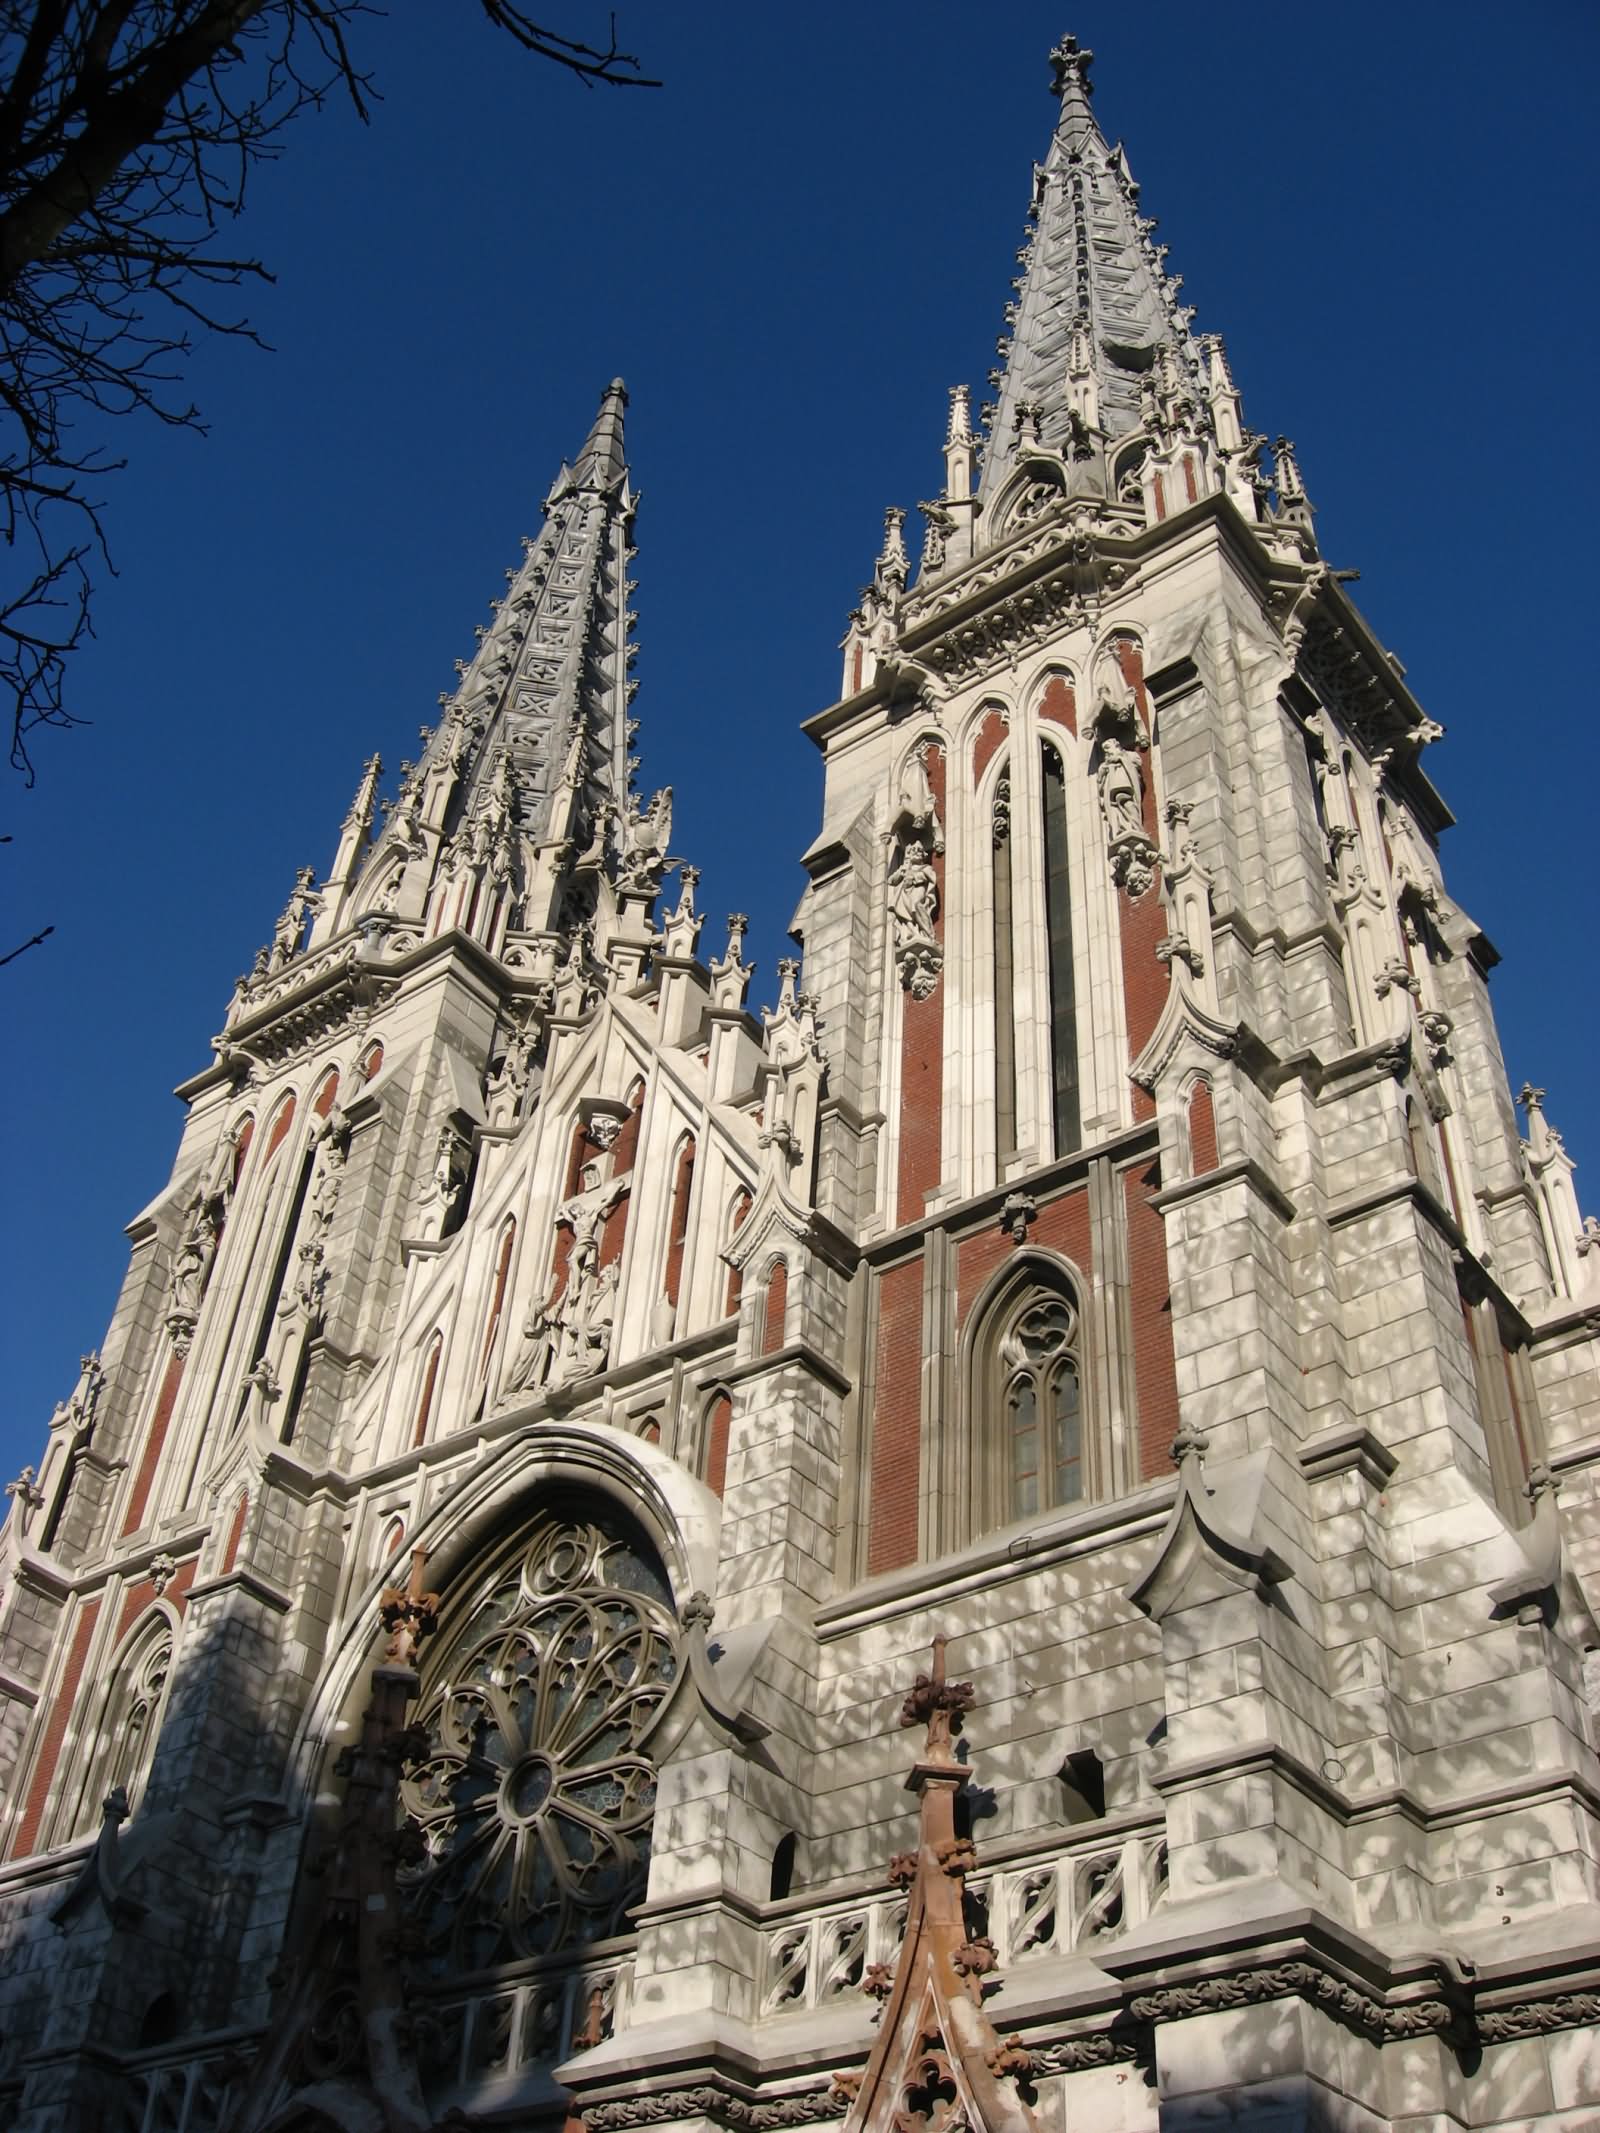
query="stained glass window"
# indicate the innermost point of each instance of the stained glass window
(534, 1797)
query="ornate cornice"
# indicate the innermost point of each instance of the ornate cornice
(723, 2105)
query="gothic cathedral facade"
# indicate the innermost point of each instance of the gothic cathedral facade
(1099, 1355)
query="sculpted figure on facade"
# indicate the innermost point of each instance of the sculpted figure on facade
(569, 1335)
(642, 837)
(191, 1268)
(913, 910)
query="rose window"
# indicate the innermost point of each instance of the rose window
(534, 1795)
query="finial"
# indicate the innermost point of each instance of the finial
(1069, 69)
(1291, 489)
(1189, 1447)
(938, 1704)
(960, 431)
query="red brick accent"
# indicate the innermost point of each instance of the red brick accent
(741, 1208)
(502, 1273)
(280, 1127)
(1145, 981)
(991, 736)
(583, 1151)
(419, 1431)
(1063, 1226)
(896, 1420)
(1188, 478)
(1059, 704)
(717, 1426)
(922, 1058)
(241, 1148)
(678, 1232)
(138, 1597)
(241, 1511)
(623, 1156)
(1160, 489)
(327, 1093)
(1155, 1375)
(55, 1732)
(371, 1063)
(1202, 1130)
(775, 1308)
(166, 1400)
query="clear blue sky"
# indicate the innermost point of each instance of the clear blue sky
(789, 252)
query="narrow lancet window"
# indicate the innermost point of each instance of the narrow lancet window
(1063, 983)
(1005, 999)
(1044, 1410)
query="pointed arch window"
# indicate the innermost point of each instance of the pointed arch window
(535, 1792)
(1043, 1408)
(130, 1721)
(1065, 1107)
(1032, 1448)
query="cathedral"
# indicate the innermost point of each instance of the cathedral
(997, 1545)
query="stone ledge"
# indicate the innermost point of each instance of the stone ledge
(1243, 1169)
(1347, 1447)
(248, 1581)
(801, 1352)
(1136, 1516)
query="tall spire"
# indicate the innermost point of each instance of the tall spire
(1094, 303)
(537, 727)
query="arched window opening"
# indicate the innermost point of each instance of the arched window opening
(783, 1856)
(775, 1307)
(159, 2023)
(1005, 1004)
(327, 1094)
(678, 1229)
(133, 1716)
(280, 1127)
(1063, 970)
(372, 1061)
(1043, 1409)
(1202, 1123)
(534, 1795)
(1083, 1786)
(430, 1378)
(719, 1420)
(497, 1300)
(1030, 1446)
(741, 1207)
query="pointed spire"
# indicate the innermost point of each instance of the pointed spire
(601, 463)
(532, 746)
(1095, 307)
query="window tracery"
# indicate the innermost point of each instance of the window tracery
(1043, 1398)
(1031, 1441)
(129, 1723)
(534, 1795)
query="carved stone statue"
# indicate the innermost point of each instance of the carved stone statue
(913, 895)
(913, 909)
(449, 1170)
(1121, 786)
(585, 1215)
(191, 1265)
(570, 1336)
(642, 835)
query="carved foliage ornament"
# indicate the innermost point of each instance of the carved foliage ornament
(533, 1793)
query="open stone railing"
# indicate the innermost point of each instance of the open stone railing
(463, 2040)
(1033, 1907)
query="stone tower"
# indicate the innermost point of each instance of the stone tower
(558, 1427)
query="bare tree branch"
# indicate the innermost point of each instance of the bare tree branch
(128, 133)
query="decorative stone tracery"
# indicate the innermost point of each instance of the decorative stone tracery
(532, 1792)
